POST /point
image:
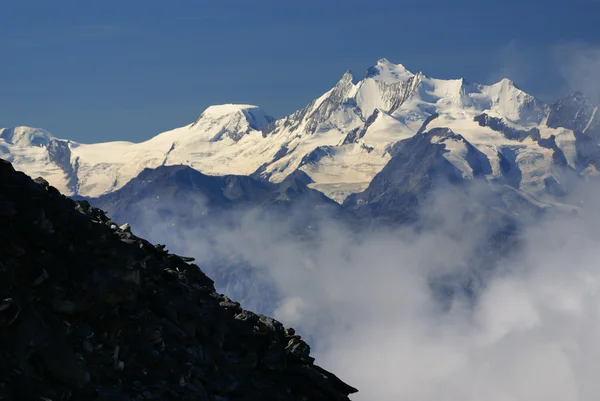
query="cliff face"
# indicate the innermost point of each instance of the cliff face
(89, 311)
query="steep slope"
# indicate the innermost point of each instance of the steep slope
(578, 114)
(89, 311)
(436, 182)
(187, 197)
(409, 177)
(432, 160)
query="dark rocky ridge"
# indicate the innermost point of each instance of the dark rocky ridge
(89, 311)
(174, 193)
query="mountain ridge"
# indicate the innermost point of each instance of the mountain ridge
(90, 311)
(351, 128)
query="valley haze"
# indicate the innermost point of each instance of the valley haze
(433, 239)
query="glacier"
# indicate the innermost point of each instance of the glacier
(341, 140)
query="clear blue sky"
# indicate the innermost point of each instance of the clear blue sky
(104, 70)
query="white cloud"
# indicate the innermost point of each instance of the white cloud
(365, 304)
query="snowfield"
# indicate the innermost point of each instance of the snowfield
(341, 140)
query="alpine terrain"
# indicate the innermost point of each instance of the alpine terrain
(345, 138)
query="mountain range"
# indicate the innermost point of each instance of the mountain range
(368, 153)
(357, 144)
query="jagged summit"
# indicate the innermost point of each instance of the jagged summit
(576, 112)
(386, 71)
(90, 311)
(348, 77)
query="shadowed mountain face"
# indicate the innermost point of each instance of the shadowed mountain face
(89, 311)
(188, 197)
(182, 207)
(575, 112)
(578, 113)
(406, 179)
(400, 192)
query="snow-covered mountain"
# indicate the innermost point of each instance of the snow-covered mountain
(344, 138)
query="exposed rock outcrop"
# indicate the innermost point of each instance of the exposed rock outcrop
(89, 311)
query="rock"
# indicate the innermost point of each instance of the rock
(69, 307)
(247, 316)
(9, 312)
(155, 336)
(63, 365)
(120, 366)
(108, 316)
(41, 181)
(271, 324)
(115, 355)
(42, 277)
(299, 349)
(7, 209)
(133, 277)
(230, 305)
(88, 347)
(5, 304)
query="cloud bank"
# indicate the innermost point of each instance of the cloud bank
(365, 300)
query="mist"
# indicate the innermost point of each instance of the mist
(366, 304)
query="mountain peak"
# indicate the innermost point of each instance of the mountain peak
(506, 82)
(387, 71)
(255, 117)
(220, 110)
(26, 136)
(348, 76)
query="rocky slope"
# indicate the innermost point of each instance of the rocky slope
(89, 311)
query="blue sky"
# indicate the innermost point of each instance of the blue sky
(98, 71)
